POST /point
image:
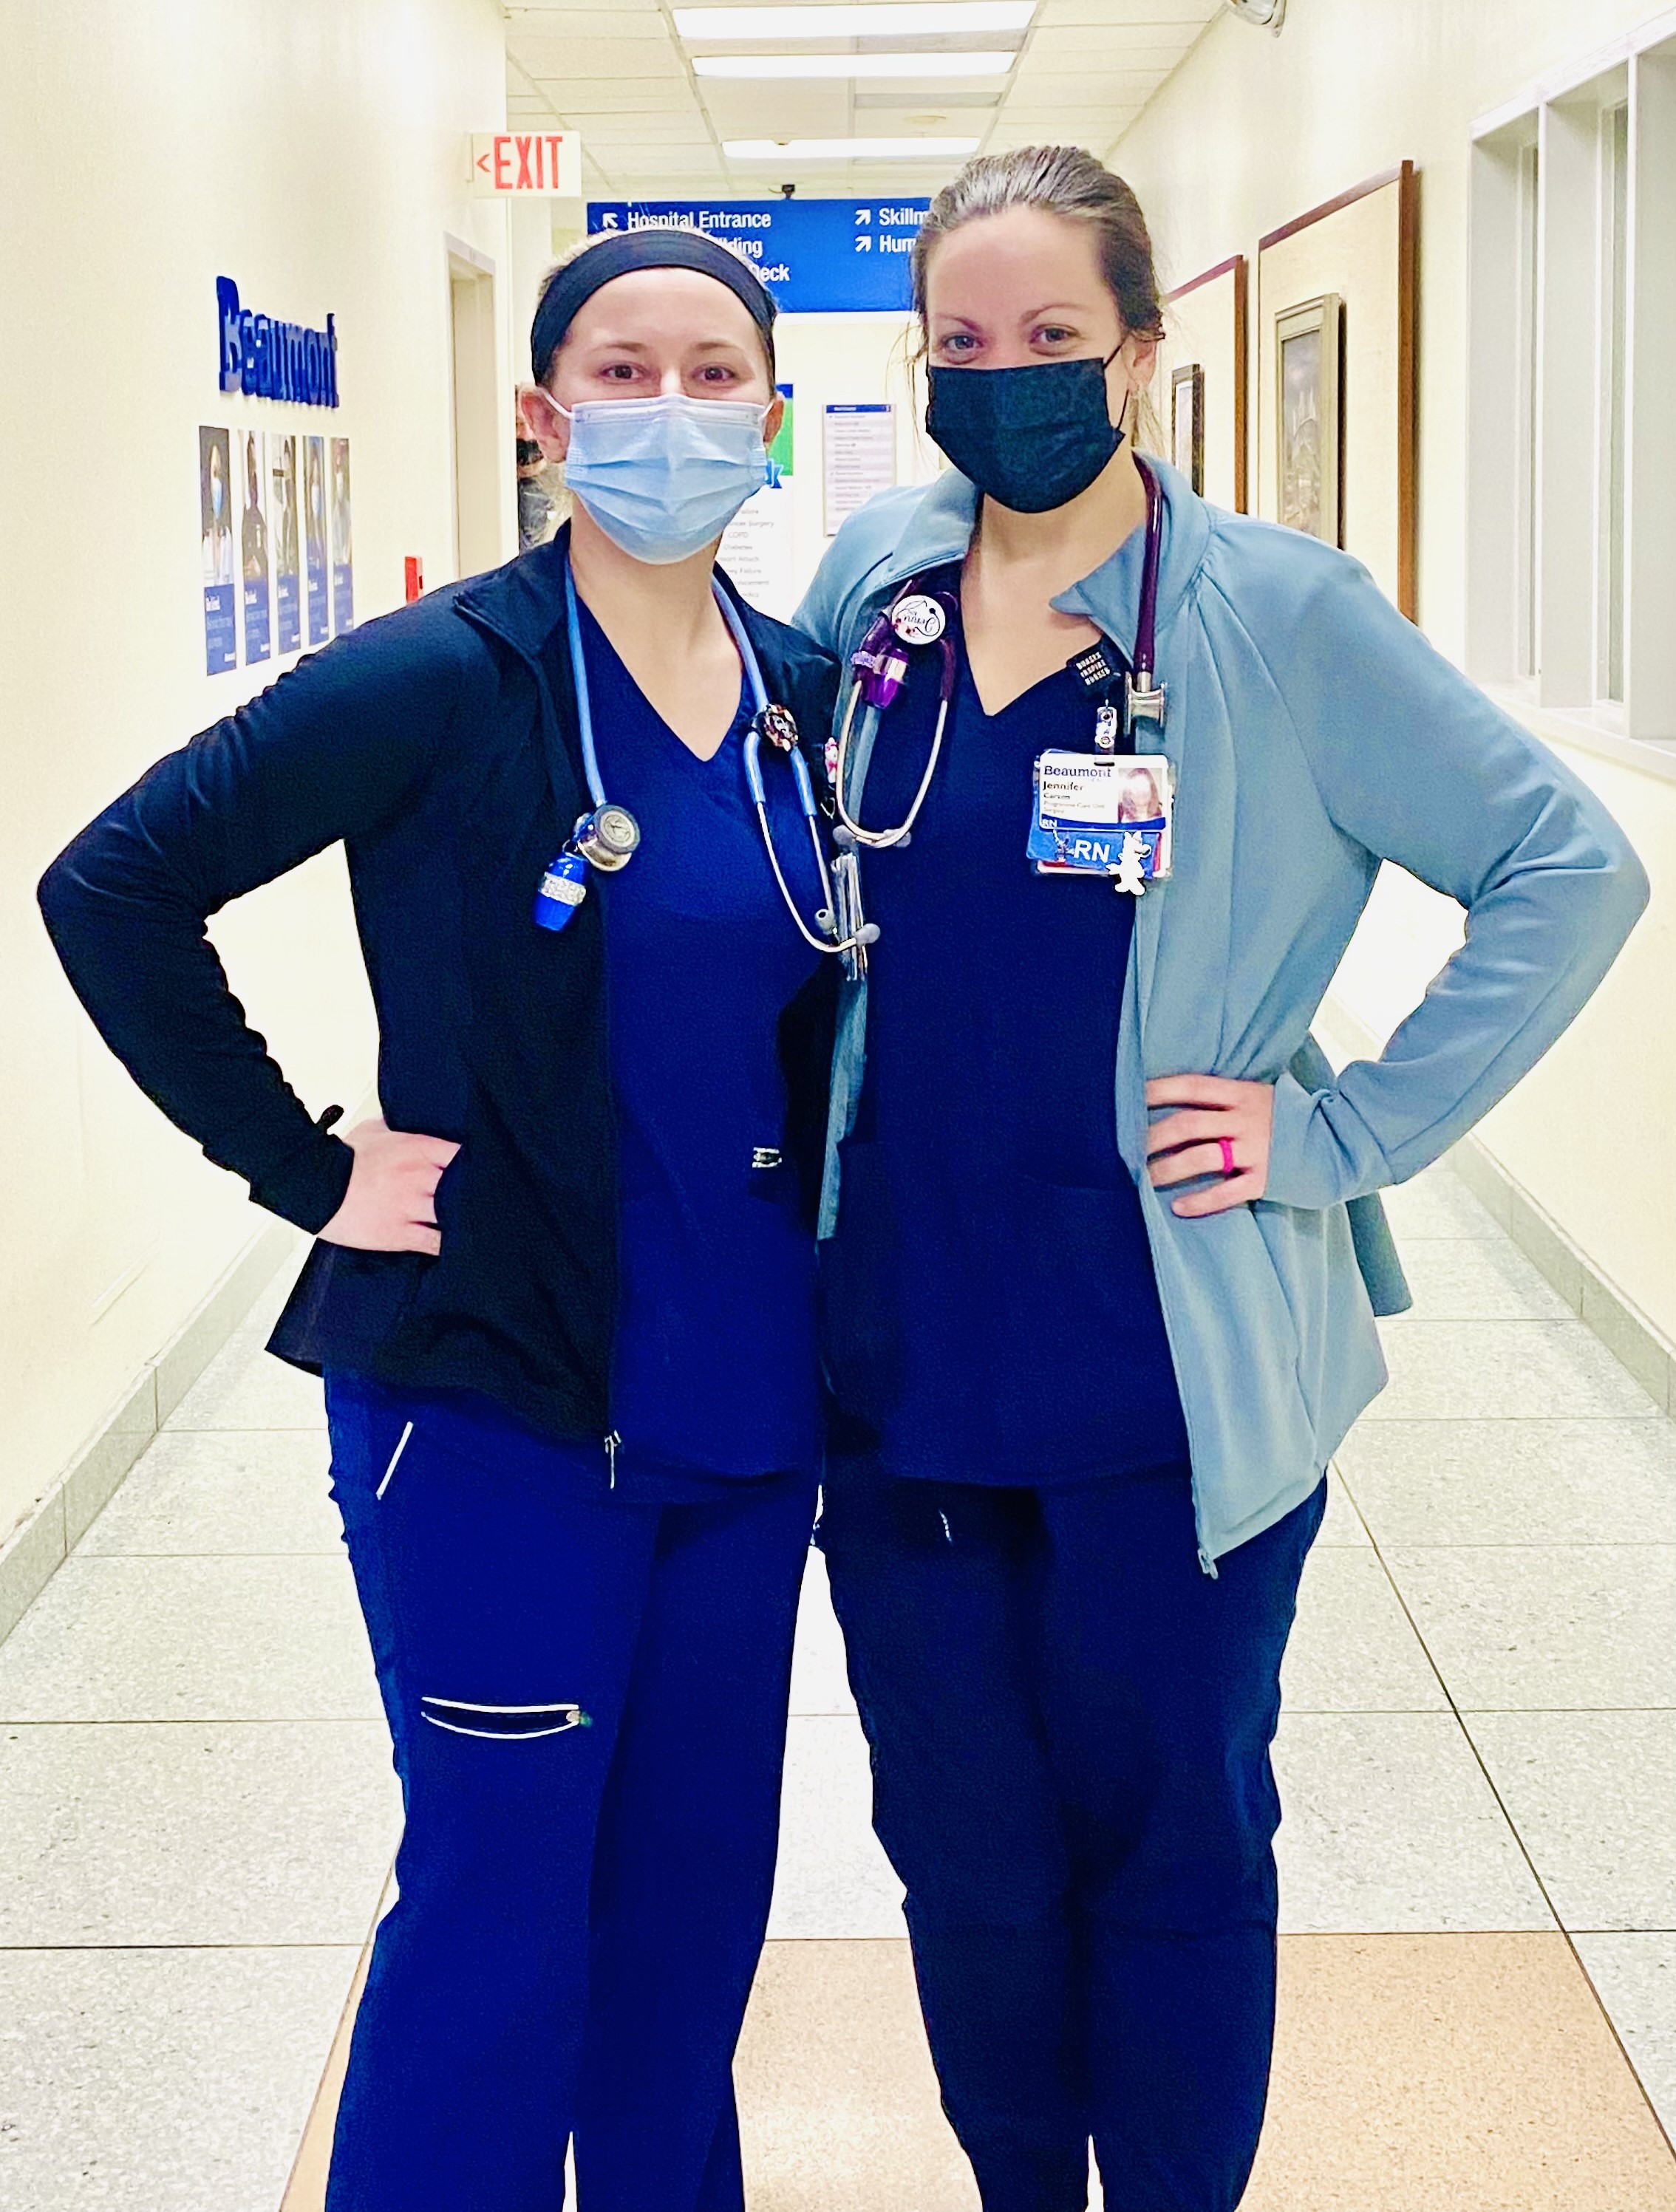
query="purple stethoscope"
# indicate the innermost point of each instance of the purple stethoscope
(917, 617)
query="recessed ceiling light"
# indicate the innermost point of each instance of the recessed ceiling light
(847, 150)
(884, 19)
(875, 66)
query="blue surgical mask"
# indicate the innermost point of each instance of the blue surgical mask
(663, 477)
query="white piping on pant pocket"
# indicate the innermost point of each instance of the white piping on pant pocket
(400, 1447)
(569, 1717)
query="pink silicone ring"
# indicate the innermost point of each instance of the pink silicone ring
(1226, 1143)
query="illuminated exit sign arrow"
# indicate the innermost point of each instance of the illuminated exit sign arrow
(526, 164)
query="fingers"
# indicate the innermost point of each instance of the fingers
(1197, 1090)
(1183, 1166)
(435, 1150)
(423, 1240)
(1222, 1196)
(1188, 1126)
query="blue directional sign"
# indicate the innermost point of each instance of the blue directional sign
(817, 257)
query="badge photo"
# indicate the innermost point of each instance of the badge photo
(1102, 815)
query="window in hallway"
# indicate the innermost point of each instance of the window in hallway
(1572, 531)
(1615, 165)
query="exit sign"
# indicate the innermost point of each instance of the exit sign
(510, 165)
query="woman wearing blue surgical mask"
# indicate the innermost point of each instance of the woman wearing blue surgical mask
(563, 1292)
(1094, 1317)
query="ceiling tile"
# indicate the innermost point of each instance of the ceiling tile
(799, 111)
(1154, 45)
(1101, 12)
(621, 135)
(648, 96)
(626, 22)
(574, 58)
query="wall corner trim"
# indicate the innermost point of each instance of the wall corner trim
(1632, 1339)
(33, 1552)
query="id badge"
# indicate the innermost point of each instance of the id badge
(1102, 814)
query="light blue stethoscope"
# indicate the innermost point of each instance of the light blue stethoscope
(607, 836)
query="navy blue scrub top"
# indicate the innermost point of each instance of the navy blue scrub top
(716, 1368)
(991, 1311)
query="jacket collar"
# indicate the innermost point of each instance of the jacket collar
(941, 528)
(523, 605)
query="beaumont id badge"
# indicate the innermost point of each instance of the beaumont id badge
(1102, 814)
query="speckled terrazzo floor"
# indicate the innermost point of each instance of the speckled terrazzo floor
(1479, 1863)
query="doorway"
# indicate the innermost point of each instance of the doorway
(477, 453)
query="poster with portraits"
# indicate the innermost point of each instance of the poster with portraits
(214, 508)
(253, 547)
(284, 537)
(343, 541)
(313, 539)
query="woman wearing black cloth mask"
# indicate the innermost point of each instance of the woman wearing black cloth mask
(568, 1331)
(1095, 1318)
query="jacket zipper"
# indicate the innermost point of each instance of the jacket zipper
(612, 1444)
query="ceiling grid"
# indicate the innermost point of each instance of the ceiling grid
(654, 123)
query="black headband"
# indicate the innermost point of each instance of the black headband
(657, 247)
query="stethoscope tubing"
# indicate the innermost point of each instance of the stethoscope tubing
(880, 841)
(1141, 682)
(866, 933)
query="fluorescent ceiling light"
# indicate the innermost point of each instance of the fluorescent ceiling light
(885, 18)
(874, 65)
(847, 150)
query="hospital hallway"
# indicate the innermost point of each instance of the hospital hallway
(383, 386)
(1478, 1759)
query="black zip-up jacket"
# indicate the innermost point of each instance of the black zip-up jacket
(440, 743)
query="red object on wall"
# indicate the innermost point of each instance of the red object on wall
(415, 576)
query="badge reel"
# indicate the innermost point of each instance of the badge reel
(1106, 814)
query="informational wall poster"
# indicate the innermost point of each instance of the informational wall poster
(858, 448)
(287, 578)
(215, 507)
(254, 548)
(816, 257)
(757, 545)
(343, 541)
(313, 539)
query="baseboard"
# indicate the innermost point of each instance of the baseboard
(1634, 1340)
(34, 1550)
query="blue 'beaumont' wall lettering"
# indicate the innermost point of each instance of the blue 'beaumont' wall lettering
(270, 359)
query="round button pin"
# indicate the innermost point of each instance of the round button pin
(918, 619)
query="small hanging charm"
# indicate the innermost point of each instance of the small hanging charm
(1105, 728)
(563, 889)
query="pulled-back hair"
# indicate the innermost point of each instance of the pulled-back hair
(1061, 180)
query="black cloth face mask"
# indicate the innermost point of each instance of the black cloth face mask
(1032, 438)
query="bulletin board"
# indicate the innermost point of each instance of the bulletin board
(1204, 329)
(1355, 260)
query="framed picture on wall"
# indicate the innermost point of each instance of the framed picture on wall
(1187, 423)
(1308, 340)
(1337, 376)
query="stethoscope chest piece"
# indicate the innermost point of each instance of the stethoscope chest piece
(607, 838)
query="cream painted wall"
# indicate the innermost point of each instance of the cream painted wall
(314, 153)
(1250, 131)
(829, 360)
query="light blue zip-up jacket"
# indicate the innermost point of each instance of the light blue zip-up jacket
(1313, 732)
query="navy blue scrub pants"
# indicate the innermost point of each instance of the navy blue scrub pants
(588, 1700)
(1070, 1724)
